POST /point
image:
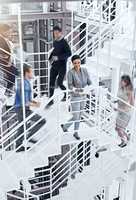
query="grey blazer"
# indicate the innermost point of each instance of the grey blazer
(78, 80)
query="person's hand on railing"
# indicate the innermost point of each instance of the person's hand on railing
(113, 106)
(77, 90)
(35, 104)
(87, 89)
(53, 59)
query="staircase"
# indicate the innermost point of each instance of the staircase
(75, 172)
(74, 169)
(100, 135)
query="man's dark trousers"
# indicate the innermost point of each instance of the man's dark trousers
(57, 72)
(32, 131)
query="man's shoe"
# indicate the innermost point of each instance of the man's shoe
(33, 141)
(80, 169)
(63, 128)
(22, 149)
(49, 104)
(64, 98)
(76, 136)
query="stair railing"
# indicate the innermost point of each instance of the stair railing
(9, 137)
(66, 167)
(21, 195)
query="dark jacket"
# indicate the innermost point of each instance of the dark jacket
(62, 51)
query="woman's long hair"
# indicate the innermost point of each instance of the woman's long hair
(127, 80)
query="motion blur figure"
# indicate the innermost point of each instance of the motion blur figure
(29, 102)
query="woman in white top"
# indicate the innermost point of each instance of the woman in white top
(125, 94)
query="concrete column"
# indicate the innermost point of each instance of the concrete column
(134, 30)
(134, 187)
(130, 186)
(107, 193)
(122, 189)
(115, 80)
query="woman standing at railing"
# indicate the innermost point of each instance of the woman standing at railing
(125, 93)
(78, 79)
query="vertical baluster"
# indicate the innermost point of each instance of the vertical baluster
(51, 182)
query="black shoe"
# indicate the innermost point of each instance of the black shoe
(97, 155)
(49, 104)
(63, 128)
(122, 144)
(76, 136)
(22, 149)
(80, 169)
(73, 176)
(33, 141)
(64, 98)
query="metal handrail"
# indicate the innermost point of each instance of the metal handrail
(24, 194)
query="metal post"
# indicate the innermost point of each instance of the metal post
(72, 26)
(109, 15)
(70, 161)
(39, 63)
(48, 65)
(51, 188)
(134, 36)
(87, 24)
(58, 114)
(1, 129)
(22, 91)
(99, 42)
(22, 71)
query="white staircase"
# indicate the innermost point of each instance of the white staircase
(101, 131)
(99, 174)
